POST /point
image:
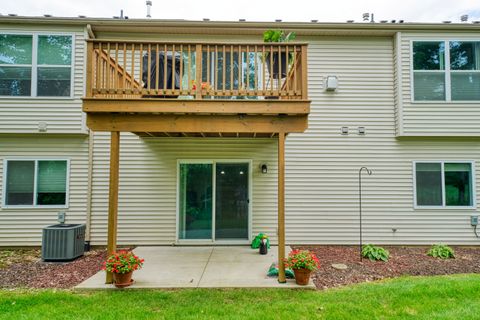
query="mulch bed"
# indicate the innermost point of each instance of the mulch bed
(411, 261)
(34, 273)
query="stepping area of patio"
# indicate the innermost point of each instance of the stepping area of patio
(201, 267)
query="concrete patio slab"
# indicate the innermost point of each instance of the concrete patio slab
(201, 267)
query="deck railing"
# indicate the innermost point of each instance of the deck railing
(126, 69)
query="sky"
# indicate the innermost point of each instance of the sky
(253, 10)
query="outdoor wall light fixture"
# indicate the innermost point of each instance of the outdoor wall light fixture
(264, 168)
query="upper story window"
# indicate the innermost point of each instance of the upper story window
(444, 184)
(35, 65)
(36, 183)
(446, 70)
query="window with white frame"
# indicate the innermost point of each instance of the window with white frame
(444, 184)
(36, 182)
(35, 65)
(446, 70)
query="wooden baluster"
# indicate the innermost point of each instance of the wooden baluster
(287, 72)
(141, 68)
(224, 71)
(116, 78)
(132, 75)
(271, 70)
(198, 71)
(108, 68)
(173, 70)
(247, 57)
(215, 76)
(208, 67)
(255, 74)
(279, 84)
(189, 85)
(149, 66)
(295, 70)
(157, 61)
(240, 69)
(232, 69)
(165, 49)
(124, 67)
(181, 69)
(99, 73)
(264, 73)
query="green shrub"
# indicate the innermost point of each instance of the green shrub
(375, 253)
(441, 251)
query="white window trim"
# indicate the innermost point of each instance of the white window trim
(214, 162)
(444, 206)
(34, 65)
(36, 160)
(447, 71)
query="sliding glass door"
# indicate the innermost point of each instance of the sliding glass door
(214, 201)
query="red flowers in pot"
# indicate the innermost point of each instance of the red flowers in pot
(122, 264)
(303, 263)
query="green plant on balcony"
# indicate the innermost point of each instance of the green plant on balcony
(277, 62)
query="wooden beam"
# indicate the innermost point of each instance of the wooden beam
(195, 123)
(281, 207)
(151, 105)
(113, 196)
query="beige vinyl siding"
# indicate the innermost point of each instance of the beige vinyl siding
(439, 118)
(23, 227)
(322, 165)
(148, 184)
(62, 114)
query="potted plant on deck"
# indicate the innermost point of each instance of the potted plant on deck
(303, 263)
(278, 59)
(122, 264)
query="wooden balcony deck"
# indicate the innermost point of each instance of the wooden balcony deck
(196, 89)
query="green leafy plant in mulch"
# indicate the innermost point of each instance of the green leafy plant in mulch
(441, 251)
(375, 253)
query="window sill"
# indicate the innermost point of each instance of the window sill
(21, 207)
(445, 102)
(444, 208)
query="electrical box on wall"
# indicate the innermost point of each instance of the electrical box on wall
(474, 220)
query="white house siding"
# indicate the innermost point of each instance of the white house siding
(322, 165)
(23, 227)
(62, 115)
(441, 118)
(148, 183)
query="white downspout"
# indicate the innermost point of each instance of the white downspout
(88, 221)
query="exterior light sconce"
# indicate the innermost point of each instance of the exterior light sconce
(344, 131)
(42, 126)
(361, 131)
(331, 83)
(264, 168)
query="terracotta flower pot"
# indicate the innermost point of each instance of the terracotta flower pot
(122, 280)
(302, 276)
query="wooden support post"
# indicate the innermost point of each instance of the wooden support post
(281, 207)
(89, 73)
(113, 196)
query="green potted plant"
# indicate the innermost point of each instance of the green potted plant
(122, 264)
(303, 263)
(278, 59)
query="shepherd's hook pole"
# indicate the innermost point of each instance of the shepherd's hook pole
(360, 203)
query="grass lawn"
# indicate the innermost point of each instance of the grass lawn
(443, 297)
